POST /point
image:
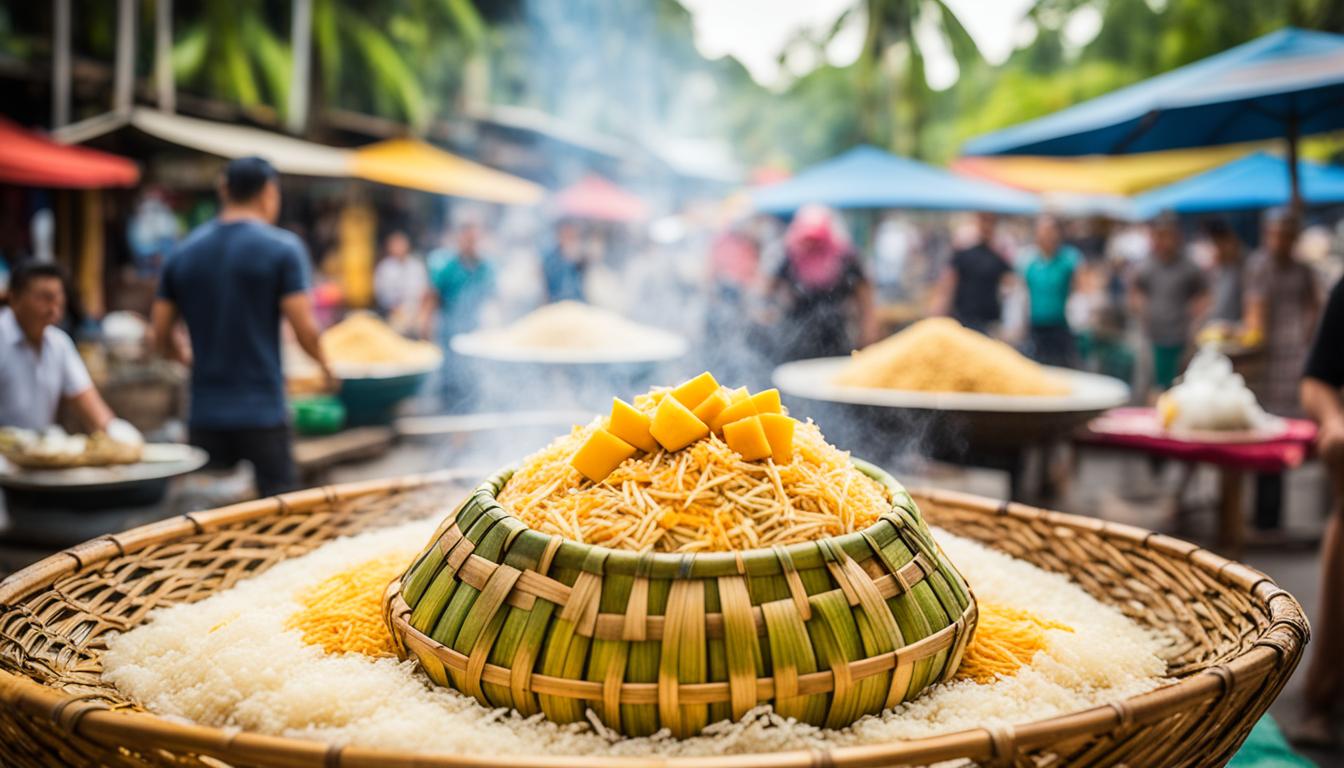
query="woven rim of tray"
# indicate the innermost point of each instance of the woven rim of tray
(1281, 635)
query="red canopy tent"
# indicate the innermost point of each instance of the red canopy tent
(31, 160)
(595, 198)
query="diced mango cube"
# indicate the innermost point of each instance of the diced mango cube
(735, 412)
(631, 425)
(738, 395)
(600, 454)
(747, 437)
(693, 392)
(711, 407)
(779, 432)
(767, 401)
(674, 426)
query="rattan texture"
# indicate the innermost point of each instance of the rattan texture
(825, 631)
(1243, 636)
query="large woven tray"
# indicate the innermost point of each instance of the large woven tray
(1243, 638)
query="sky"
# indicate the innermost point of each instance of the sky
(756, 31)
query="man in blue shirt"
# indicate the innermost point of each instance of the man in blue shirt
(1049, 271)
(232, 280)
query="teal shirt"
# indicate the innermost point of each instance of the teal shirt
(1048, 284)
(463, 290)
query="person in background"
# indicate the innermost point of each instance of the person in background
(151, 233)
(1320, 391)
(232, 280)
(399, 282)
(461, 281)
(1168, 294)
(1282, 307)
(827, 299)
(1226, 276)
(970, 287)
(1049, 271)
(39, 367)
(563, 265)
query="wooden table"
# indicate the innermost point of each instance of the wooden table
(1137, 430)
(314, 456)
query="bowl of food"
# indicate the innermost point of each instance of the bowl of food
(953, 384)
(378, 368)
(674, 570)
(571, 333)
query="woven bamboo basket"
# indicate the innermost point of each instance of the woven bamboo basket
(1243, 636)
(826, 631)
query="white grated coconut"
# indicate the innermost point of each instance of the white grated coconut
(229, 661)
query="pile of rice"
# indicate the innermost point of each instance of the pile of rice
(939, 355)
(702, 498)
(263, 677)
(574, 325)
(364, 339)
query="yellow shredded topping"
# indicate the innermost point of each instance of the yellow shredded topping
(1006, 639)
(704, 498)
(343, 613)
(939, 355)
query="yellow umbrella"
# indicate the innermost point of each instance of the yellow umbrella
(1100, 174)
(413, 164)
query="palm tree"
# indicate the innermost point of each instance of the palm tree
(368, 56)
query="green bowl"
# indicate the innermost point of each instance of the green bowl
(318, 415)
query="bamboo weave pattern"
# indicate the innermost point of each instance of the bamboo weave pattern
(826, 631)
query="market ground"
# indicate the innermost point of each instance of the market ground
(1114, 487)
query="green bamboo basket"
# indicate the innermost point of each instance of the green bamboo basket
(825, 631)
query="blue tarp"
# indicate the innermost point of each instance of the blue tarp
(1255, 181)
(1247, 93)
(867, 177)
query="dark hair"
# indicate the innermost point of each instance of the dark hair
(245, 177)
(1217, 228)
(29, 271)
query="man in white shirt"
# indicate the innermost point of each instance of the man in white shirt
(39, 366)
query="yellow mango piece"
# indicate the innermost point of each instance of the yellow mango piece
(601, 453)
(735, 412)
(738, 395)
(711, 407)
(632, 426)
(675, 427)
(693, 392)
(747, 437)
(767, 401)
(779, 433)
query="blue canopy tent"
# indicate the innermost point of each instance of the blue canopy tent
(867, 177)
(1255, 181)
(1286, 84)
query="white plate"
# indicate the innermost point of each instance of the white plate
(815, 380)
(384, 370)
(162, 460)
(661, 346)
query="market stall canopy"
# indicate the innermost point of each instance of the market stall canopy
(1098, 174)
(1287, 81)
(414, 164)
(867, 177)
(598, 199)
(1256, 181)
(32, 160)
(288, 155)
(397, 162)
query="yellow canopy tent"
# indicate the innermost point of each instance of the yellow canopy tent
(413, 164)
(1099, 174)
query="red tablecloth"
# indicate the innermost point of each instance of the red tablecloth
(1134, 429)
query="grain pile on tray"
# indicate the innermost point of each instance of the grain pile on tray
(940, 355)
(363, 339)
(264, 677)
(574, 325)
